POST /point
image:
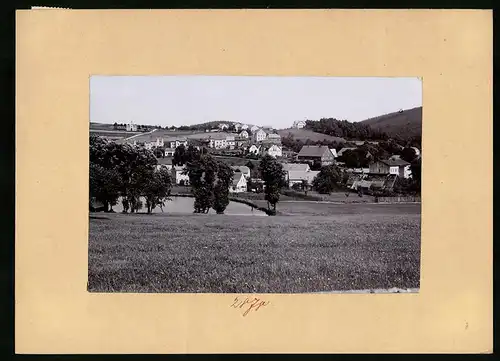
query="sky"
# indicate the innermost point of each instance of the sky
(256, 100)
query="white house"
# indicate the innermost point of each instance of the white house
(223, 126)
(239, 184)
(177, 174)
(230, 141)
(274, 136)
(244, 134)
(391, 166)
(254, 149)
(244, 127)
(158, 143)
(297, 176)
(241, 169)
(237, 126)
(299, 124)
(259, 135)
(273, 150)
(131, 127)
(221, 141)
(254, 128)
(175, 142)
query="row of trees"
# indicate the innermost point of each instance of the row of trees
(120, 170)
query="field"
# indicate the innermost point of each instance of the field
(305, 134)
(324, 247)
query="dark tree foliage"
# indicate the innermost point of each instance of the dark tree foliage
(327, 179)
(104, 185)
(202, 175)
(408, 154)
(345, 129)
(221, 190)
(273, 176)
(157, 189)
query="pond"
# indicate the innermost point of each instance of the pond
(186, 205)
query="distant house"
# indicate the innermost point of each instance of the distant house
(398, 167)
(174, 142)
(159, 142)
(334, 152)
(164, 163)
(254, 128)
(288, 153)
(274, 136)
(241, 169)
(221, 141)
(240, 142)
(244, 127)
(343, 150)
(131, 127)
(272, 149)
(237, 126)
(169, 152)
(259, 135)
(299, 124)
(243, 134)
(239, 183)
(311, 153)
(254, 149)
(178, 176)
(223, 126)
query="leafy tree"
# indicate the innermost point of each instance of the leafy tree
(179, 158)
(297, 186)
(327, 179)
(273, 176)
(157, 189)
(408, 154)
(202, 174)
(221, 190)
(250, 165)
(104, 185)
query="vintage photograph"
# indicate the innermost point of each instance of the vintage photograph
(254, 184)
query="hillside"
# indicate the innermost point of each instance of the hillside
(405, 124)
(305, 134)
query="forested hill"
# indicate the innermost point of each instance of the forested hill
(406, 124)
(345, 129)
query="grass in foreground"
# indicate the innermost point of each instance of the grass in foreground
(240, 254)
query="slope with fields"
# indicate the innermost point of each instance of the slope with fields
(405, 124)
(305, 134)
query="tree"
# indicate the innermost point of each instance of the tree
(250, 165)
(202, 174)
(273, 176)
(157, 189)
(179, 156)
(327, 179)
(221, 190)
(305, 186)
(408, 154)
(104, 185)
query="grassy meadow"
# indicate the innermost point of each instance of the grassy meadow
(310, 248)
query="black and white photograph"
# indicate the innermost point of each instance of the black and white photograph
(254, 184)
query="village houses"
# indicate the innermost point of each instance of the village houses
(254, 149)
(298, 172)
(316, 153)
(221, 141)
(243, 169)
(178, 175)
(223, 126)
(259, 135)
(131, 127)
(254, 128)
(175, 142)
(243, 134)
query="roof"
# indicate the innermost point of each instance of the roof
(173, 139)
(339, 153)
(241, 168)
(395, 162)
(295, 167)
(313, 151)
(220, 136)
(237, 179)
(273, 135)
(300, 175)
(165, 161)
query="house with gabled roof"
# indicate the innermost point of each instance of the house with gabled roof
(319, 153)
(239, 184)
(395, 166)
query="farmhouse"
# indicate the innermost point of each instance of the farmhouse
(253, 149)
(259, 135)
(239, 184)
(391, 166)
(131, 127)
(175, 142)
(237, 126)
(274, 137)
(273, 150)
(223, 126)
(221, 141)
(299, 124)
(243, 134)
(241, 169)
(244, 127)
(304, 167)
(297, 176)
(311, 153)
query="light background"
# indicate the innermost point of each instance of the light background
(58, 50)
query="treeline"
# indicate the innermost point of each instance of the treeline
(121, 170)
(345, 129)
